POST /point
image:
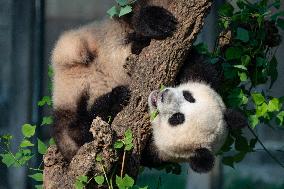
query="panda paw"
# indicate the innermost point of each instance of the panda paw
(72, 48)
(155, 22)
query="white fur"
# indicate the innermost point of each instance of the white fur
(204, 124)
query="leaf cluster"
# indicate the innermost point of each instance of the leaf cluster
(122, 8)
(247, 60)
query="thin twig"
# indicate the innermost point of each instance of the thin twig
(105, 175)
(265, 149)
(122, 165)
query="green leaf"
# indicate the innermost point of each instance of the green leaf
(253, 119)
(201, 48)
(128, 136)
(7, 137)
(261, 110)
(276, 4)
(128, 133)
(227, 145)
(125, 10)
(47, 120)
(226, 10)
(280, 23)
(99, 158)
(79, 185)
(39, 186)
(8, 159)
(241, 4)
(112, 11)
(128, 181)
(154, 114)
(280, 118)
(260, 61)
(233, 53)
(214, 60)
(258, 98)
(162, 87)
(239, 157)
(128, 147)
(240, 67)
(26, 151)
(26, 143)
(82, 178)
(274, 105)
(241, 144)
(28, 130)
(252, 143)
(99, 180)
(228, 160)
(122, 2)
(81, 182)
(45, 100)
(24, 159)
(118, 144)
(245, 60)
(237, 98)
(260, 20)
(37, 177)
(125, 182)
(51, 142)
(243, 76)
(41, 147)
(242, 34)
(119, 182)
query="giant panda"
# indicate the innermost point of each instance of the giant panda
(192, 121)
(89, 78)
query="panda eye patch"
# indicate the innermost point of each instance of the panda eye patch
(188, 96)
(176, 119)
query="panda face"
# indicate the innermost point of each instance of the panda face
(190, 116)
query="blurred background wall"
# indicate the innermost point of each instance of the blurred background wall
(28, 31)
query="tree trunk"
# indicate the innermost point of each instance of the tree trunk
(157, 64)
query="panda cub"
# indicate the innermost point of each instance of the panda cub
(89, 77)
(192, 123)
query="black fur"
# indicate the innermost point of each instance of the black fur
(176, 119)
(150, 22)
(202, 161)
(138, 42)
(111, 103)
(188, 96)
(197, 68)
(235, 119)
(154, 22)
(76, 124)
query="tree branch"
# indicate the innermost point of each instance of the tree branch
(157, 64)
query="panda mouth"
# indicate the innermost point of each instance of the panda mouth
(154, 98)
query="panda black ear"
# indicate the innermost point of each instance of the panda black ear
(202, 161)
(235, 119)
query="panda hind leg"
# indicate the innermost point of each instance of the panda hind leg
(71, 128)
(73, 48)
(154, 22)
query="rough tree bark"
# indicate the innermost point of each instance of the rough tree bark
(159, 63)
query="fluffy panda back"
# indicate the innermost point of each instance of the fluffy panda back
(90, 57)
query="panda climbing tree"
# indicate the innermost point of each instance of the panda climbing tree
(104, 77)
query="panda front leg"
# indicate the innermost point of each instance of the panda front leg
(73, 48)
